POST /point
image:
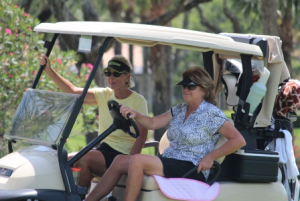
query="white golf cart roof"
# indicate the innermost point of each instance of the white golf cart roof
(150, 35)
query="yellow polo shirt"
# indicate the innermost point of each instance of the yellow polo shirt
(118, 139)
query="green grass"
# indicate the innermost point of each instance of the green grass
(296, 133)
(296, 139)
(149, 151)
(76, 140)
(227, 113)
(75, 143)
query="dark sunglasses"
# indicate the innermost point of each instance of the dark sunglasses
(189, 87)
(115, 74)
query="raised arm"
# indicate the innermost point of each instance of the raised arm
(64, 84)
(235, 142)
(151, 123)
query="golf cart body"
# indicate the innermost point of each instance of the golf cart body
(48, 175)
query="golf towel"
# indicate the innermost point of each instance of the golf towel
(187, 189)
(286, 154)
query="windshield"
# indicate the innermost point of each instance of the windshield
(41, 116)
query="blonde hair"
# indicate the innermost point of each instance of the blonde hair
(201, 77)
(130, 83)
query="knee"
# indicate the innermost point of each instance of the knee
(120, 159)
(120, 162)
(83, 161)
(136, 161)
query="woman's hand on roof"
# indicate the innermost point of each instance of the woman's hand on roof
(45, 61)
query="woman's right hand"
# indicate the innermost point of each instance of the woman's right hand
(124, 110)
(45, 61)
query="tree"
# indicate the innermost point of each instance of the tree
(269, 17)
(276, 20)
(115, 8)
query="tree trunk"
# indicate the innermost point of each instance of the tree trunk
(169, 76)
(147, 87)
(232, 17)
(287, 37)
(115, 8)
(269, 17)
(161, 99)
(206, 22)
(45, 14)
(129, 14)
(284, 31)
(26, 5)
(91, 15)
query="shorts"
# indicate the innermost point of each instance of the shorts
(109, 153)
(174, 168)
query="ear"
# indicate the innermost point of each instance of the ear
(128, 77)
(203, 91)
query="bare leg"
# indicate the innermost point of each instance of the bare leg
(110, 178)
(92, 164)
(140, 165)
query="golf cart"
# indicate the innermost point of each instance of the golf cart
(44, 119)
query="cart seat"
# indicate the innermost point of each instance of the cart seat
(149, 182)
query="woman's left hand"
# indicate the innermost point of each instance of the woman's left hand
(205, 163)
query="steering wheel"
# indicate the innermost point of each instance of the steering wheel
(120, 121)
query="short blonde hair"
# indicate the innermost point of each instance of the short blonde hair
(200, 76)
(124, 60)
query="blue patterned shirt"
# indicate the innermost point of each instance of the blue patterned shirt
(196, 137)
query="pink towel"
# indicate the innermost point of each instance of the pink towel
(187, 189)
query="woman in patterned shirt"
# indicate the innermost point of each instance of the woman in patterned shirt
(194, 128)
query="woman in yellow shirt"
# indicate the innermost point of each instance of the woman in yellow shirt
(118, 73)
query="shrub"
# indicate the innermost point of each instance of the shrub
(20, 51)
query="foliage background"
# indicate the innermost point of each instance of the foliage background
(20, 51)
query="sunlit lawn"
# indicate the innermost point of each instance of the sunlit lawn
(296, 134)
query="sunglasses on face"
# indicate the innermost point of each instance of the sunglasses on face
(189, 87)
(115, 74)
